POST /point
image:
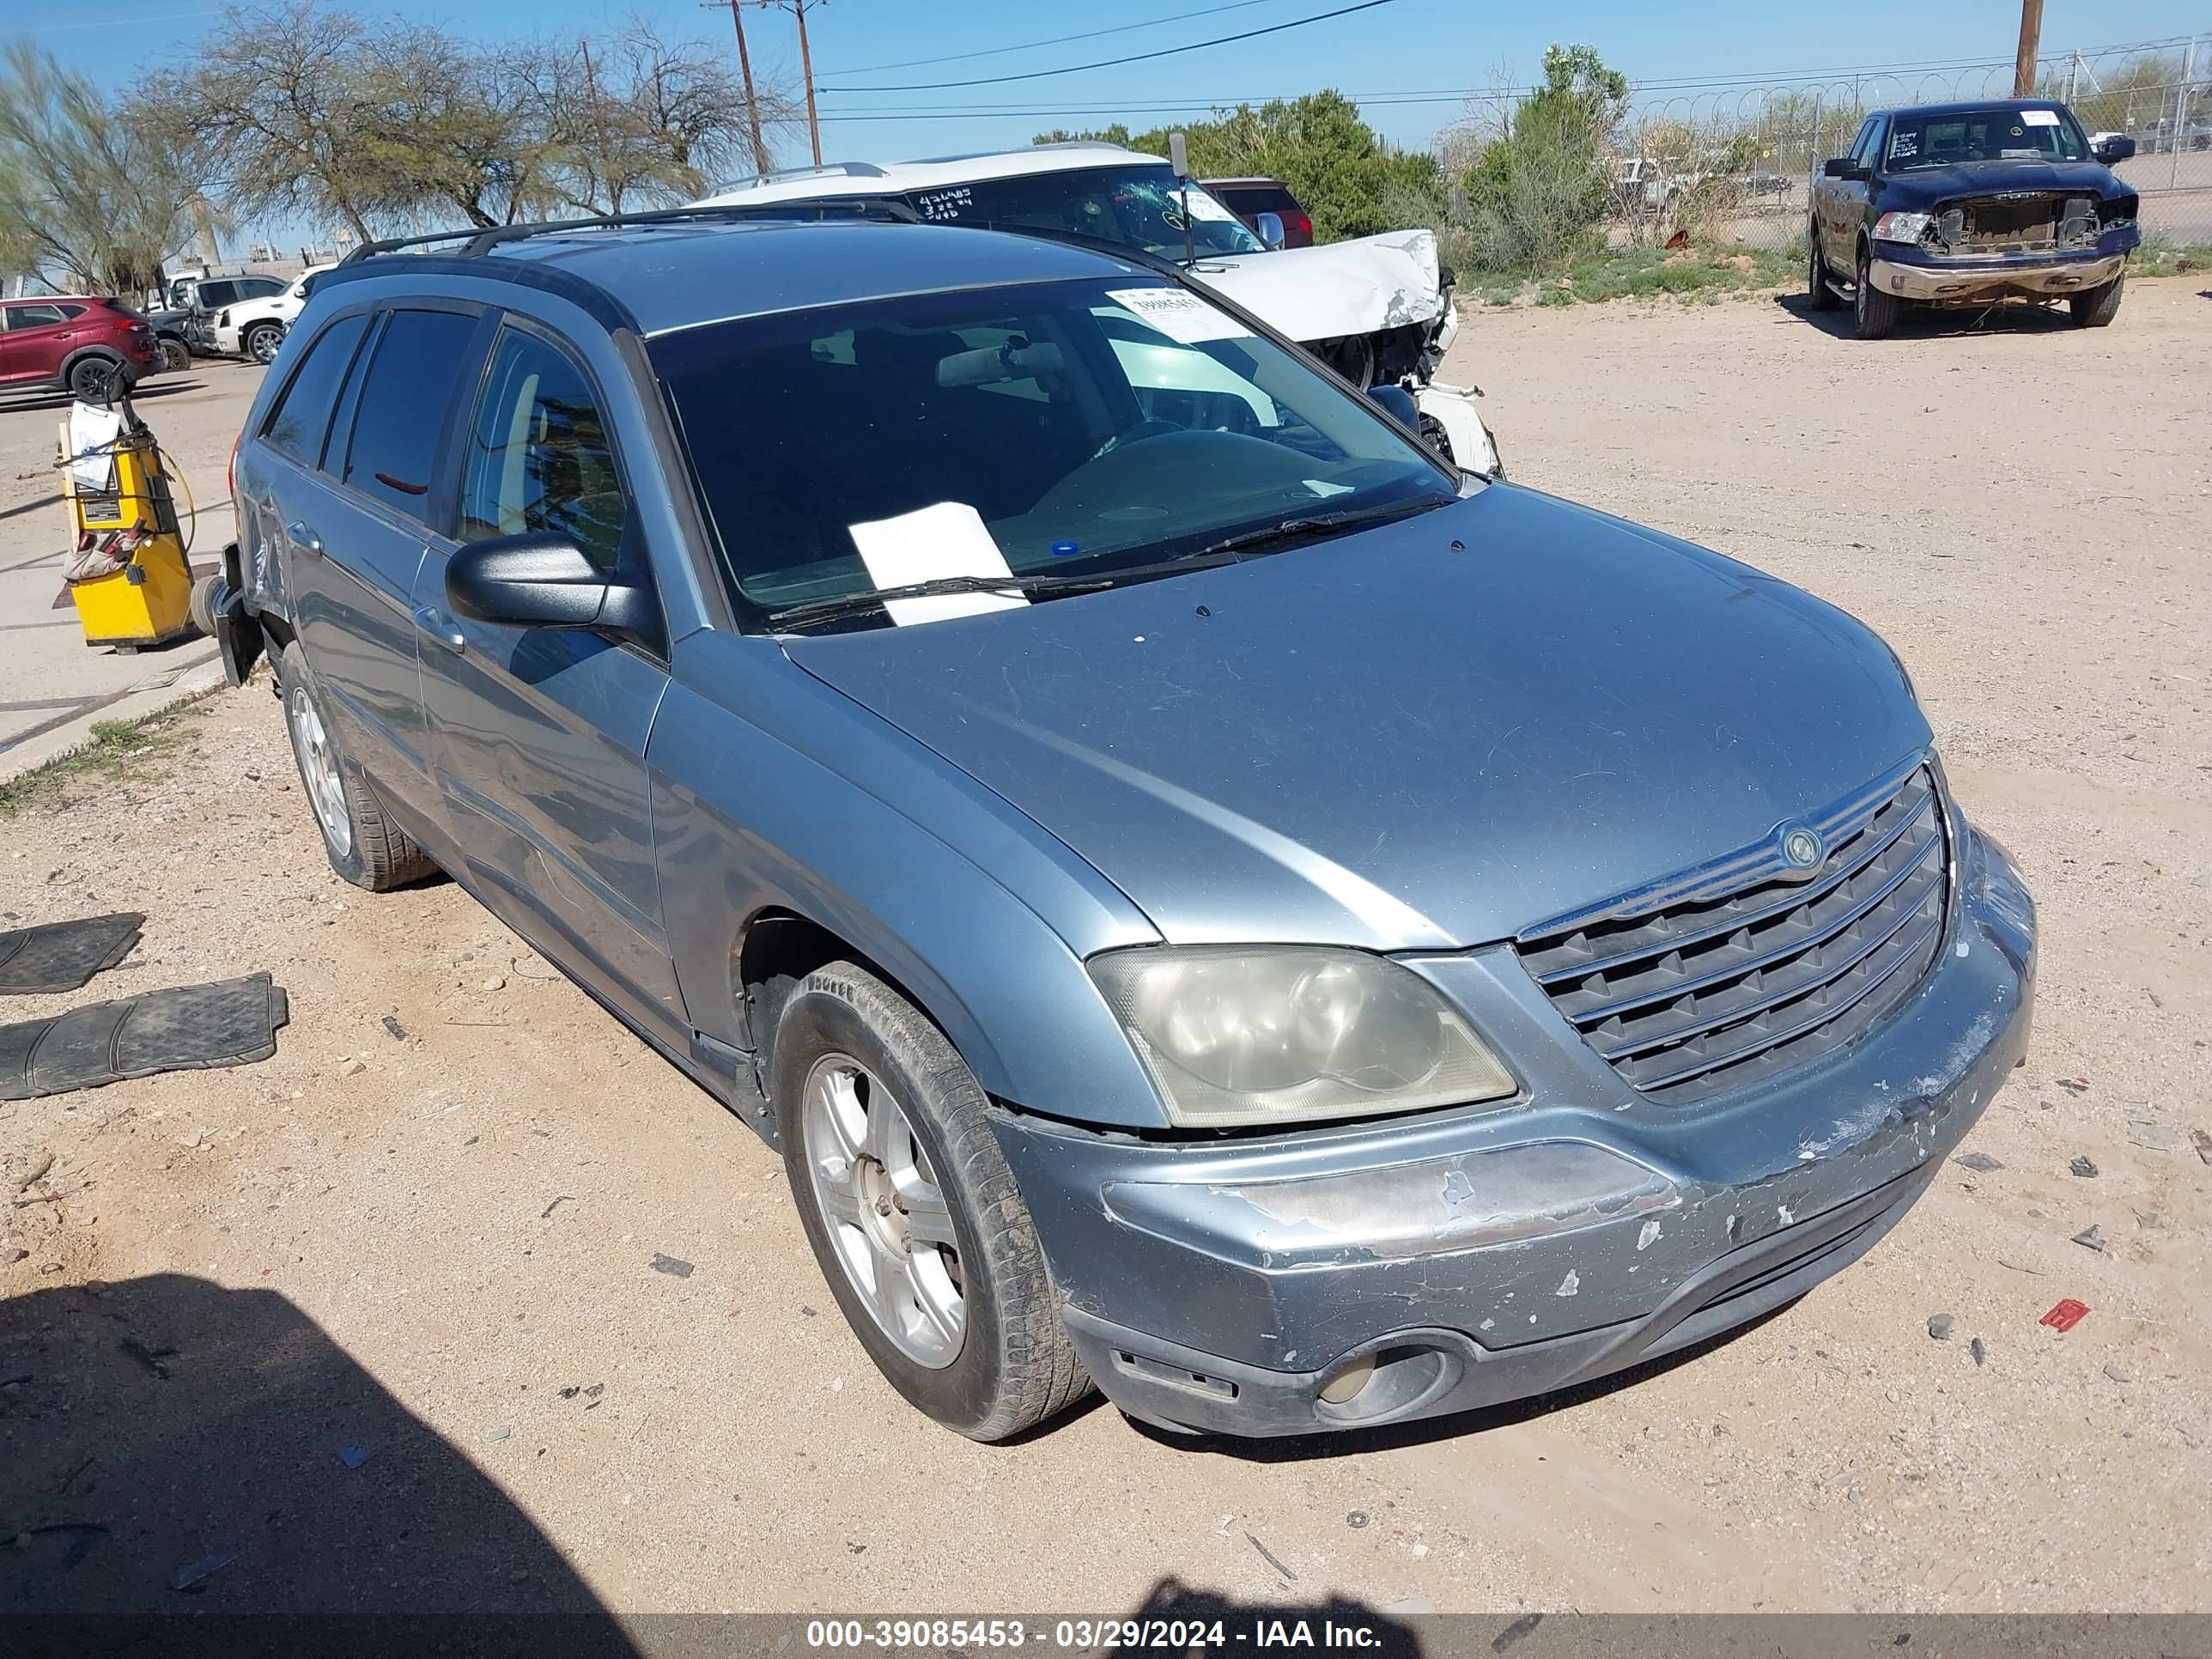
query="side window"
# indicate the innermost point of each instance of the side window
(302, 413)
(538, 455)
(259, 288)
(1867, 144)
(214, 296)
(22, 316)
(392, 454)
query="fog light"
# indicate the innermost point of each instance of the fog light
(1349, 1381)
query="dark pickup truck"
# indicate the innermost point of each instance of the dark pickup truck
(1962, 205)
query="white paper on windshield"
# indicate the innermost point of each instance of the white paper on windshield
(1203, 206)
(1179, 315)
(2039, 118)
(948, 540)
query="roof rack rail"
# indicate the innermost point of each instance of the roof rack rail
(481, 240)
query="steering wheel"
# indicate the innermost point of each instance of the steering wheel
(1135, 434)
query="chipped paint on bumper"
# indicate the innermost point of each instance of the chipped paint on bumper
(1488, 1255)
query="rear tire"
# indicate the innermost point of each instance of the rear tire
(93, 379)
(176, 356)
(362, 844)
(1874, 313)
(887, 1142)
(1818, 294)
(2095, 307)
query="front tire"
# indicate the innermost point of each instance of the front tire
(2095, 307)
(1818, 294)
(362, 844)
(262, 340)
(912, 1211)
(1874, 313)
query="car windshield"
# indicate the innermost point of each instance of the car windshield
(1065, 428)
(1140, 206)
(2018, 133)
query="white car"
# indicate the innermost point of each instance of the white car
(1378, 309)
(255, 328)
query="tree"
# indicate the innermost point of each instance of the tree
(287, 96)
(650, 118)
(1537, 195)
(83, 194)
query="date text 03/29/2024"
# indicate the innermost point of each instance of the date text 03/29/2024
(1091, 1635)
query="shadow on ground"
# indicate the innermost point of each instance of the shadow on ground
(144, 392)
(172, 1453)
(1935, 323)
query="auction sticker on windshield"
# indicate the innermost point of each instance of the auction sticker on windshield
(2039, 118)
(1178, 315)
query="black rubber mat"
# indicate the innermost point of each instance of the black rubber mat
(231, 1023)
(60, 956)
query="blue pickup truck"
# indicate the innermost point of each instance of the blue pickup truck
(1966, 205)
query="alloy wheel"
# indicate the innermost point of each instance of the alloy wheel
(319, 768)
(886, 1216)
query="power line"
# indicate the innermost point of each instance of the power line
(1781, 79)
(1057, 40)
(1114, 63)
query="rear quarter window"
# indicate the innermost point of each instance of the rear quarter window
(302, 414)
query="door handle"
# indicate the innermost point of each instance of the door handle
(304, 538)
(441, 628)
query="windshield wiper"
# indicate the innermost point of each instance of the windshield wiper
(849, 605)
(1285, 530)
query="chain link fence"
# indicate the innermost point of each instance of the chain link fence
(1735, 164)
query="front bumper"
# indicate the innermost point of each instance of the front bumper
(1241, 1287)
(2034, 275)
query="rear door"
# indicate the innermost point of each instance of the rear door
(354, 530)
(538, 734)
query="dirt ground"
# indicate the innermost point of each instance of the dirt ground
(422, 1358)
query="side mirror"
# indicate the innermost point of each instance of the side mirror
(1842, 166)
(1398, 403)
(1269, 228)
(2113, 149)
(544, 580)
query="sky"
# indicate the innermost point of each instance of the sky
(1407, 61)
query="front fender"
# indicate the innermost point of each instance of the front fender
(772, 791)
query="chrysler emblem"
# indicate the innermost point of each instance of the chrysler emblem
(1802, 848)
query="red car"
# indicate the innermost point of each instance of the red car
(1247, 198)
(72, 343)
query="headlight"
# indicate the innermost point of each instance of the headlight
(1244, 1035)
(1902, 226)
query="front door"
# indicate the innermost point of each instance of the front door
(538, 734)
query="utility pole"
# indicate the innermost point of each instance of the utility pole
(798, 9)
(599, 126)
(745, 68)
(2031, 39)
(2181, 113)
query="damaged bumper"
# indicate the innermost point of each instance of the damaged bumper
(2028, 276)
(1368, 1275)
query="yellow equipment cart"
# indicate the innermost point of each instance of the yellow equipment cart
(129, 575)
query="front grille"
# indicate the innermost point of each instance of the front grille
(1746, 966)
(2037, 224)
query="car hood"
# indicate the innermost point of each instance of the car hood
(1936, 185)
(1341, 288)
(1388, 742)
